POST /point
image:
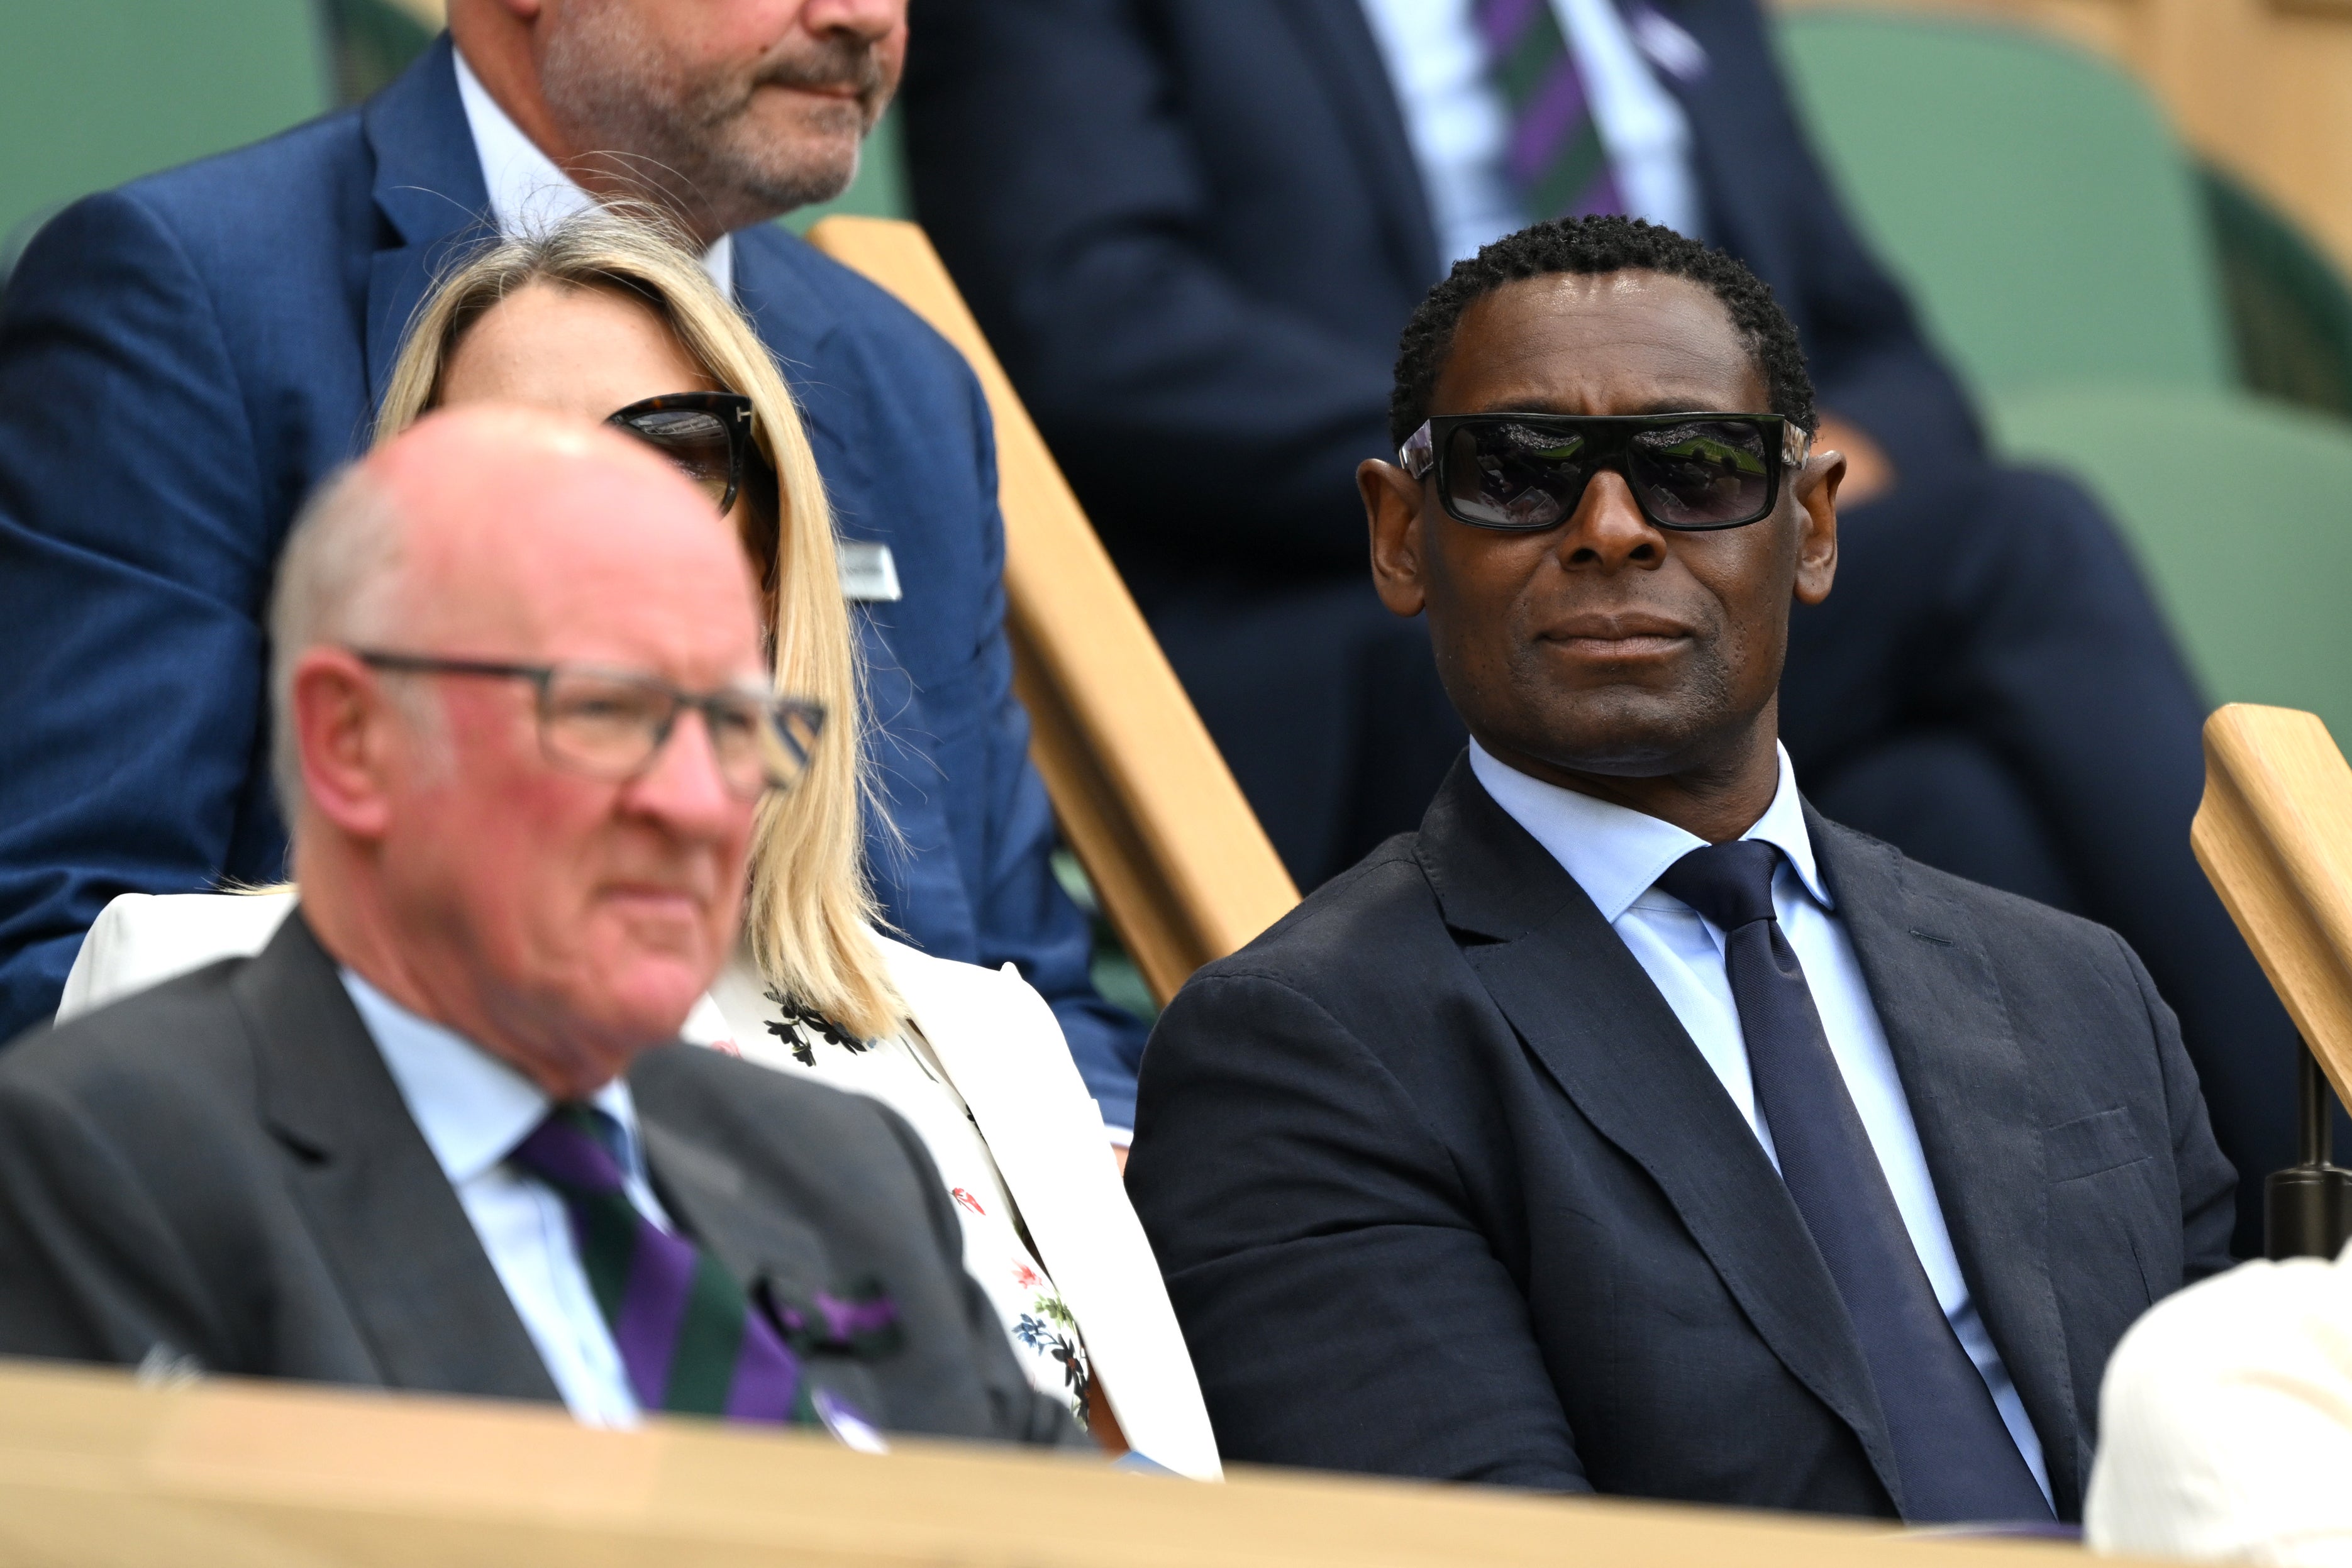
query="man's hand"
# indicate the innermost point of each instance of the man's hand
(1869, 472)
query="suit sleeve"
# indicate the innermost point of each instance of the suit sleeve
(1024, 916)
(1869, 360)
(1342, 1305)
(2209, 1184)
(88, 1268)
(133, 566)
(1052, 161)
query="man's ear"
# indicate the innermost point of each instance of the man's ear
(343, 722)
(1392, 511)
(1815, 488)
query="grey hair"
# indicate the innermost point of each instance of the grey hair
(338, 578)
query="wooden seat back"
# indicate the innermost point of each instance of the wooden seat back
(1184, 872)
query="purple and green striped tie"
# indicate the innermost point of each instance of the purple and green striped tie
(688, 1335)
(1555, 159)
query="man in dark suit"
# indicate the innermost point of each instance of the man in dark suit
(433, 1136)
(1193, 229)
(183, 360)
(1633, 1127)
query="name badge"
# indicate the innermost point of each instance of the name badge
(868, 575)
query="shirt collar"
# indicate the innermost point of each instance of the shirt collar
(1616, 853)
(528, 191)
(472, 1108)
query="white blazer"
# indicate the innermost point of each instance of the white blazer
(999, 1046)
(2225, 1422)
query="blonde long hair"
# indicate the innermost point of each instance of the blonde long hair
(811, 904)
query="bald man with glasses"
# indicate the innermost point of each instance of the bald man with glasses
(438, 1135)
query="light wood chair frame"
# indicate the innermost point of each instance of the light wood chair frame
(1184, 870)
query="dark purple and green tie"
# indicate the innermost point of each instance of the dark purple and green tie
(691, 1340)
(1555, 159)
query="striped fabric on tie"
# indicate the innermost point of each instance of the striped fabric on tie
(1555, 158)
(689, 1337)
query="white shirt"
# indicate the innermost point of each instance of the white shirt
(2225, 1423)
(528, 191)
(473, 1109)
(1459, 125)
(1617, 855)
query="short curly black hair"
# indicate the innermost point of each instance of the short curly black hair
(1597, 245)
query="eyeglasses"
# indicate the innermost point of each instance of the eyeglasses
(612, 724)
(706, 434)
(1523, 471)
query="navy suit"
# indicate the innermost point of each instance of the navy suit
(1443, 1188)
(181, 361)
(1193, 230)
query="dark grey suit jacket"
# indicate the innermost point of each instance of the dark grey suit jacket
(1443, 1187)
(223, 1169)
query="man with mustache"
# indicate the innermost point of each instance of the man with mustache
(183, 360)
(439, 1134)
(1631, 1128)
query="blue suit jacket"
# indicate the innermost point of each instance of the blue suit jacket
(181, 360)
(1196, 226)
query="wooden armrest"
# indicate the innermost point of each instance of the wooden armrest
(2274, 835)
(227, 1474)
(1184, 872)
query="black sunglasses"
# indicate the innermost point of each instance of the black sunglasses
(1524, 472)
(706, 434)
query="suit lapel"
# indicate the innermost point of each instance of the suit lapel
(1716, 142)
(1336, 38)
(414, 1276)
(772, 285)
(428, 193)
(757, 1241)
(1970, 1094)
(1587, 1009)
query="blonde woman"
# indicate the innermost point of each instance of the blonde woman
(605, 316)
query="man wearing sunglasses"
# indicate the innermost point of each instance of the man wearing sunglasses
(1211, 232)
(183, 360)
(1633, 1128)
(438, 1135)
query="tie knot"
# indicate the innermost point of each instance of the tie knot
(1730, 885)
(565, 1152)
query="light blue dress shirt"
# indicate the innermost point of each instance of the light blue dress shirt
(1617, 855)
(473, 1109)
(1459, 126)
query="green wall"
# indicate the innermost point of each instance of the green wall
(99, 91)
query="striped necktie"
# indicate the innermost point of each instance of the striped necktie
(688, 1335)
(1555, 158)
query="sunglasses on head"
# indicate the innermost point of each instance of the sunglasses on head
(706, 434)
(1525, 472)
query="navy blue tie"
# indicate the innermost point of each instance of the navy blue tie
(1955, 1455)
